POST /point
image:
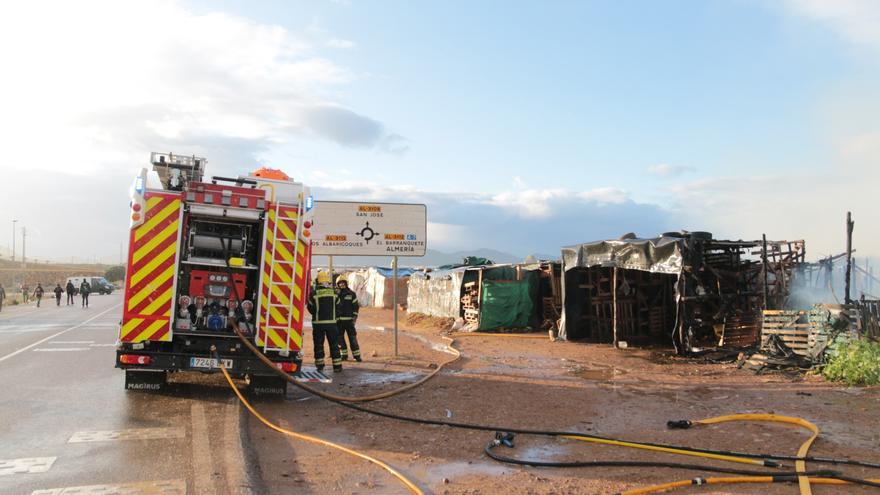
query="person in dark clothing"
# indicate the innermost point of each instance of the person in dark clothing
(58, 291)
(84, 289)
(2, 296)
(322, 306)
(38, 293)
(347, 314)
(71, 290)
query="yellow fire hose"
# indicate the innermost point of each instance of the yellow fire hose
(800, 465)
(668, 450)
(415, 490)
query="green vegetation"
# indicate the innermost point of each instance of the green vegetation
(115, 273)
(856, 363)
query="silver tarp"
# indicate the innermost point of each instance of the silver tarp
(436, 293)
(658, 255)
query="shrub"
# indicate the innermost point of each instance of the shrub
(856, 363)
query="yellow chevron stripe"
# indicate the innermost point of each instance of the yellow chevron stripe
(301, 249)
(297, 338)
(288, 234)
(297, 292)
(156, 219)
(148, 269)
(150, 330)
(282, 297)
(146, 291)
(282, 273)
(130, 325)
(277, 316)
(289, 214)
(161, 301)
(160, 237)
(296, 314)
(275, 338)
(283, 253)
(299, 270)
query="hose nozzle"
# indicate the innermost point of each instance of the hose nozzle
(504, 438)
(682, 424)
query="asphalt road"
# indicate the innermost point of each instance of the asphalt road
(67, 426)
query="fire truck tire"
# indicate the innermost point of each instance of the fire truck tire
(267, 386)
(145, 380)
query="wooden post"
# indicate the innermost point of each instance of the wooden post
(614, 305)
(849, 231)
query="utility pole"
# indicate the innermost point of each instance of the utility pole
(849, 231)
(13, 239)
(23, 249)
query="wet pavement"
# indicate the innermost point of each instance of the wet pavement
(68, 426)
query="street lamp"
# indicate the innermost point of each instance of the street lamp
(13, 240)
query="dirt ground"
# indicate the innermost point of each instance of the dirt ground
(536, 383)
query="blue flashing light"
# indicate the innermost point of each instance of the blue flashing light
(310, 203)
(139, 185)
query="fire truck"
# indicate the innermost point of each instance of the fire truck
(207, 257)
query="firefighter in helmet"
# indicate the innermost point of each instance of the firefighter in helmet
(347, 311)
(322, 306)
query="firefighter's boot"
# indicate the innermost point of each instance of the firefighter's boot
(344, 352)
(337, 365)
(356, 353)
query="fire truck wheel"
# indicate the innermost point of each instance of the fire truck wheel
(145, 380)
(267, 386)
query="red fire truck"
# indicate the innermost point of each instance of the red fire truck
(207, 257)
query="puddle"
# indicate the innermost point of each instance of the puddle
(599, 374)
(381, 378)
(546, 452)
(452, 470)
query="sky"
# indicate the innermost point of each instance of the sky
(524, 126)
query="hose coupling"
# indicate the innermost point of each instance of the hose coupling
(682, 424)
(504, 438)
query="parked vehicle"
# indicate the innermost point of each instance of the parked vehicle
(100, 285)
(203, 259)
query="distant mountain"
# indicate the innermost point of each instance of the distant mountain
(432, 258)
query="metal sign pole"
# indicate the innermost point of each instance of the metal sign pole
(330, 267)
(394, 292)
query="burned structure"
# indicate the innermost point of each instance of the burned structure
(683, 288)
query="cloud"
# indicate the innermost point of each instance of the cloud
(858, 21)
(340, 43)
(666, 170)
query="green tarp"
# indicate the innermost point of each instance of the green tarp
(505, 304)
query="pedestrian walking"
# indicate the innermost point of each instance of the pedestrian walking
(2, 296)
(71, 291)
(38, 294)
(58, 291)
(322, 306)
(347, 312)
(25, 293)
(84, 289)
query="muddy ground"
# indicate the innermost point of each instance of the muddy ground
(535, 383)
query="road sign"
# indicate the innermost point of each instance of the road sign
(344, 228)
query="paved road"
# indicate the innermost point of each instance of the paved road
(66, 422)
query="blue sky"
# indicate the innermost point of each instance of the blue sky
(523, 125)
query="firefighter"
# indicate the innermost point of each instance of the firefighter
(71, 291)
(84, 290)
(38, 293)
(25, 292)
(2, 296)
(347, 310)
(322, 306)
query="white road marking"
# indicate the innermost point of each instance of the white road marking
(26, 465)
(169, 487)
(63, 342)
(60, 349)
(129, 434)
(236, 477)
(4, 358)
(201, 452)
(102, 345)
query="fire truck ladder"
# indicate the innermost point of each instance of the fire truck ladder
(276, 311)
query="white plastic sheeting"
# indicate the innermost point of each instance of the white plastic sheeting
(375, 287)
(436, 293)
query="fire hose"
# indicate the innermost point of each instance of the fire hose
(504, 436)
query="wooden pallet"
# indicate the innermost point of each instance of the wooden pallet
(793, 327)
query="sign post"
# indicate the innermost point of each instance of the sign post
(343, 228)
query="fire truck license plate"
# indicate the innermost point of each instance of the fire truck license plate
(209, 363)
